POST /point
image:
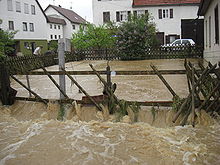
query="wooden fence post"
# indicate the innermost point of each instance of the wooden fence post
(4, 85)
(7, 94)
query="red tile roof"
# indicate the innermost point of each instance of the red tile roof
(163, 2)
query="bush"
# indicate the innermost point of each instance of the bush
(90, 36)
(135, 36)
(6, 42)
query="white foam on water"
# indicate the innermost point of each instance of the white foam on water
(33, 130)
(8, 157)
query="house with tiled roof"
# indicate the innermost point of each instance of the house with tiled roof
(169, 15)
(27, 18)
(210, 10)
(62, 23)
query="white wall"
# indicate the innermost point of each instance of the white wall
(167, 25)
(67, 29)
(38, 20)
(58, 32)
(211, 52)
(99, 7)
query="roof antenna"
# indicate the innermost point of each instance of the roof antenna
(71, 5)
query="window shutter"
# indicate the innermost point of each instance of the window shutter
(146, 12)
(135, 13)
(171, 13)
(129, 15)
(117, 16)
(160, 13)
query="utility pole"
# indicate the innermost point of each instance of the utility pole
(61, 57)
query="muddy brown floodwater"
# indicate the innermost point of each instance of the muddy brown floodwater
(32, 135)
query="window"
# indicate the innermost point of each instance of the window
(10, 25)
(185, 42)
(55, 26)
(165, 13)
(26, 45)
(25, 26)
(210, 31)
(26, 8)
(121, 16)
(58, 26)
(160, 13)
(106, 17)
(171, 13)
(31, 25)
(55, 37)
(141, 12)
(33, 10)
(51, 26)
(216, 25)
(59, 36)
(74, 27)
(51, 36)
(18, 6)
(206, 34)
(135, 13)
(10, 6)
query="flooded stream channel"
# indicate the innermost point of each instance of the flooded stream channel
(32, 135)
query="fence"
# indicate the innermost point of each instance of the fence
(16, 65)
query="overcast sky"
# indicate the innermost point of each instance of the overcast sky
(81, 7)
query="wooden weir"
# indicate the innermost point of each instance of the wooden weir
(203, 84)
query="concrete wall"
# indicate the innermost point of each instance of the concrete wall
(212, 51)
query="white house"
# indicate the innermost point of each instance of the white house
(28, 19)
(167, 14)
(62, 22)
(210, 10)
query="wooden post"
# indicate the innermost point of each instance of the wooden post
(193, 98)
(61, 58)
(4, 85)
(109, 91)
(55, 83)
(163, 80)
(81, 89)
(187, 75)
(28, 84)
(37, 96)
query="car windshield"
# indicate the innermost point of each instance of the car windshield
(176, 42)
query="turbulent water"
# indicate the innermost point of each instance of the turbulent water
(32, 135)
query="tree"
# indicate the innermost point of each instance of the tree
(90, 36)
(6, 42)
(135, 36)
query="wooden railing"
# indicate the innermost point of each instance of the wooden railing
(16, 65)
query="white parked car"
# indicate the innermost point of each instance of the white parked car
(178, 44)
